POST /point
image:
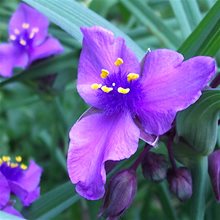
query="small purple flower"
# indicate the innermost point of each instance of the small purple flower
(18, 179)
(214, 172)
(29, 40)
(129, 99)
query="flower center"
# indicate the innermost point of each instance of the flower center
(119, 89)
(24, 35)
(12, 169)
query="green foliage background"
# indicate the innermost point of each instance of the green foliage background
(39, 105)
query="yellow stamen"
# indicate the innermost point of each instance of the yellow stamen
(106, 89)
(132, 76)
(35, 30)
(118, 62)
(23, 166)
(12, 37)
(104, 73)
(23, 42)
(1, 161)
(6, 158)
(25, 25)
(123, 91)
(96, 86)
(18, 159)
(13, 165)
(16, 31)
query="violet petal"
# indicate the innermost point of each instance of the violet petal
(95, 139)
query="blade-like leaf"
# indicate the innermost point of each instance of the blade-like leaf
(70, 16)
(205, 40)
(150, 20)
(52, 203)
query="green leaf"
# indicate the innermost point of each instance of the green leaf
(205, 40)
(70, 16)
(180, 13)
(198, 124)
(7, 216)
(150, 20)
(52, 203)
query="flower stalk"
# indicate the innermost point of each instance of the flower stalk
(199, 174)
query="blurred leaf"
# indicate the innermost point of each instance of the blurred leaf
(7, 216)
(198, 124)
(70, 16)
(181, 16)
(192, 12)
(150, 20)
(52, 203)
(205, 40)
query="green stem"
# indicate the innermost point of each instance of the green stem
(199, 174)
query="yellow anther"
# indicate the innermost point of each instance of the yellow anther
(25, 25)
(96, 86)
(35, 30)
(6, 158)
(132, 76)
(104, 73)
(13, 165)
(106, 89)
(23, 42)
(12, 37)
(118, 62)
(18, 159)
(16, 31)
(23, 166)
(123, 91)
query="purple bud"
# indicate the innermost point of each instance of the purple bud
(154, 167)
(120, 194)
(180, 182)
(214, 172)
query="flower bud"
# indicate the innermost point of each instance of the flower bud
(180, 182)
(214, 172)
(120, 194)
(154, 167)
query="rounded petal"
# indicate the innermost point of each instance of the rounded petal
(4, 191)
(27, 187)
(27, 14)
(100, 51)
(171, 85)
(50, 47)
(10, 57)
(95, 139)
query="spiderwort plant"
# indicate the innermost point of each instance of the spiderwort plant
(129, 99)
(28, 40)
(18, 179)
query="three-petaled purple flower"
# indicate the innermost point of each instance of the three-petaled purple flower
(130, 100)
(18, 179)
(29, 40)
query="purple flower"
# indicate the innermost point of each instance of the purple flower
(29, 40)
(18, 179)
(214, 172)
(129, 99)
